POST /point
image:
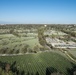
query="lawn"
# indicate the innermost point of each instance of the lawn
(73, 52)
(10, 42)
(39, 62)
(32, 42)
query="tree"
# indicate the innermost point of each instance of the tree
(28, 73)
(22, 73)
(72, 71)
(11, 31)
(32, 74)
(41, 36)
(36, 48)
(24, 48)
(37, 73)
(50, 70)
(53, 36)
(3, 73)
(7, 67)
(0, 70)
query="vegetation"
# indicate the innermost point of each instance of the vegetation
(10, 69)
(41, 37)
(37, 57)
(39, 62)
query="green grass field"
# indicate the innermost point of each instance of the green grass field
(32, 62)
(73, 52)
(13, 43)
(39, 62)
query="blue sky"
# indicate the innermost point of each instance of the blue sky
(38, 11)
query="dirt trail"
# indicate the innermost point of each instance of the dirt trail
(66, 53)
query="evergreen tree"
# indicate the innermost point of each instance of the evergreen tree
(28, 73)
(37, 73)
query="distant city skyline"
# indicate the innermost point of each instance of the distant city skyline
(37, 11)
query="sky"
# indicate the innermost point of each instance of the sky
(38, 11)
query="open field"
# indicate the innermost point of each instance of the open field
(39, 62)
(11, 42)
(32, 47)
(73, 52)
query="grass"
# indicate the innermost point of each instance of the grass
(6, 35)
(39, 62)
(33, 62)
(73, 52)
(32, 42)
(10, 41)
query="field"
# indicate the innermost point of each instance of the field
(73, 52)
(39, 62)
(27, 45)
(13, 44)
